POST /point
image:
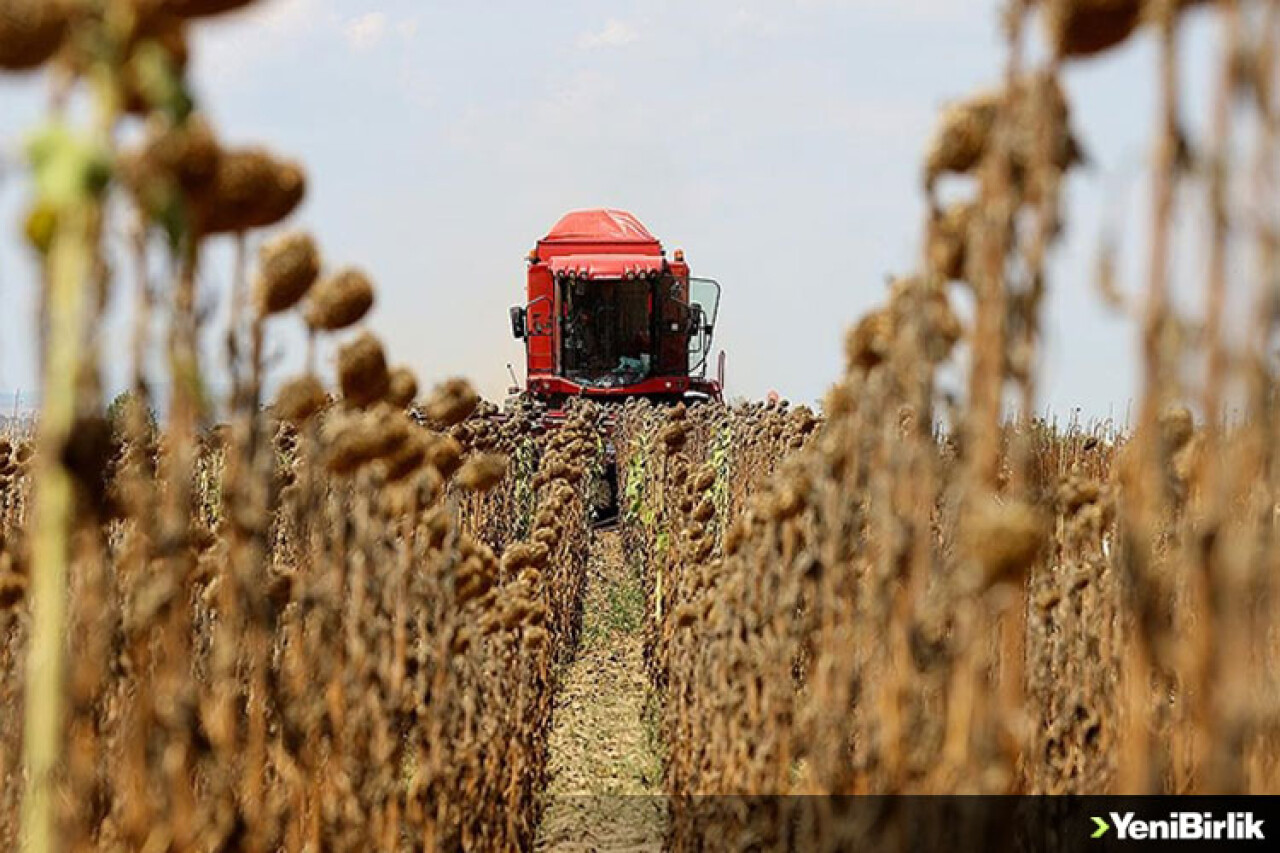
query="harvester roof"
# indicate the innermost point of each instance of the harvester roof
(596, 233)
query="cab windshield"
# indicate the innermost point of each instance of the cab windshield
(608, 331)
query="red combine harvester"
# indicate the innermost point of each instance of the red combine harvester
(608, 317)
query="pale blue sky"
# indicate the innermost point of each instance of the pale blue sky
(776, 141)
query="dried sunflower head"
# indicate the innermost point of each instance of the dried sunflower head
(299, 399)
(402, 388)
(340, 301)
(1077, 28)
(483, 472)
(451, 402)
(287, 267)
(31, 31)
(252, 189)
(1002, 538)
(362, 370)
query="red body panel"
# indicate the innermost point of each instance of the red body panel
(542, 341)
(597, 245)
(606, 266)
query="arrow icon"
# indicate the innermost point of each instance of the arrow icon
(1102, 828)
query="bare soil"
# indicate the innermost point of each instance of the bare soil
(605, 774)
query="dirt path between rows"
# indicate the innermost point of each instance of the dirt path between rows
(605, 776)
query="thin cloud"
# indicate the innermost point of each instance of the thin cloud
(233, 46)
(753, 23)
(366, 31)
(616, 33)
(407, 28)
(244, 41)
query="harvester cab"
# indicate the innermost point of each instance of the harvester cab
(608, 316)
